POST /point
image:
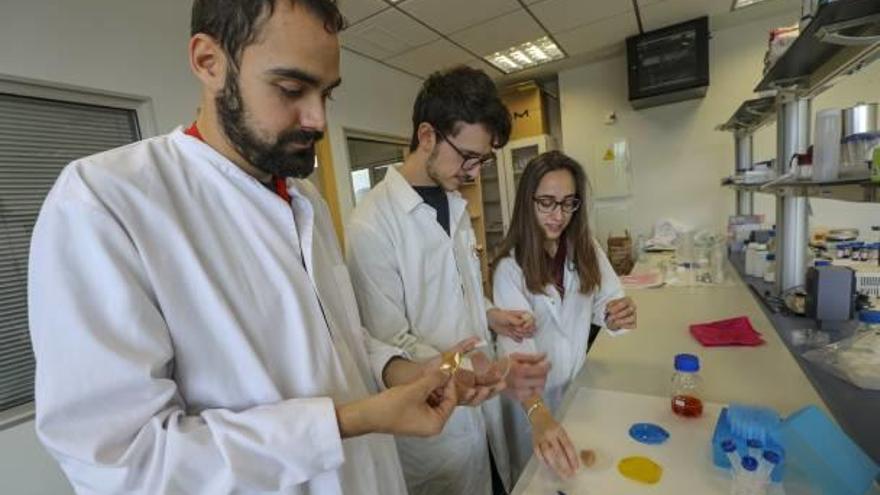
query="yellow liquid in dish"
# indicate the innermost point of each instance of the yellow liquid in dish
(640, 469)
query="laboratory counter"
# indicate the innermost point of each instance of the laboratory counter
(856, 410)
(641, 362)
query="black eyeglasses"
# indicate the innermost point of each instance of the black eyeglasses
(470, 161)
(547, 204)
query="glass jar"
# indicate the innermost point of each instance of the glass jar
(686, 382)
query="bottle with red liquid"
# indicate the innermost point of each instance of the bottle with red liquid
(686, 396)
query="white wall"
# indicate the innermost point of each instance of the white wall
(139, 48)
(373, 99)
(678, 158)
(136, 48)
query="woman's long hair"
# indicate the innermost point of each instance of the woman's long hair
(526, 237)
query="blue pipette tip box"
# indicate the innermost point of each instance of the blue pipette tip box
(758, 422)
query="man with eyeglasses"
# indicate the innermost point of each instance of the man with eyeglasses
(413, 258)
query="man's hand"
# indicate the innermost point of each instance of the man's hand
(620, 313)
(415, 409)
(527, 375)
(517, 325)
(479, 379)
(484, 381)
(551, 443)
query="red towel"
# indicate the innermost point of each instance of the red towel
(735, 331)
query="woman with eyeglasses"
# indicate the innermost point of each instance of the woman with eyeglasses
(550, 265)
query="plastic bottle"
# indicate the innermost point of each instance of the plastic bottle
(875, 166)
(746, 480)
(826, 151)
(840, 251)
(729, 448)
(686, 396)
(767, 463)
(770, 268)
(855, 250)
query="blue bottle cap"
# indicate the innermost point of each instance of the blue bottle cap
(822, 263)
(749, 463)
(687, 363)
(728, 446)
(869, 316)
(754, 443)
(772, 457)
(771, 257)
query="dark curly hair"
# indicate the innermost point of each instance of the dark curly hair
(235, 24)
(461, 94)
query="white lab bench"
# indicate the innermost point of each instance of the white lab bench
(641, 362)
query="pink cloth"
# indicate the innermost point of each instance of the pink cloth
(735, 331)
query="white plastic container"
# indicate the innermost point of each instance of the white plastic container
(756, 259)
(826, 154)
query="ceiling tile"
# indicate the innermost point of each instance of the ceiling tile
(367, 46)
(598, 35)
(763, 10)
(562, 15)
(387, 34)
(668, 12)
(356, 10)
(485, 67)
(431, 57)
(499, 33)
(448, 16)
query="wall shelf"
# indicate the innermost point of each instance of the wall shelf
(842, 37)
(751, 115)
(853, 190)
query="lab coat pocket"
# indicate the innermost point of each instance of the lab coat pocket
(346, 296)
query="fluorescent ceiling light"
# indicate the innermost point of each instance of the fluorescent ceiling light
(741, 4)
(529, 54)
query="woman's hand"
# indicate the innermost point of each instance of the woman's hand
(517, 325)
(620, 313)
(551, 443)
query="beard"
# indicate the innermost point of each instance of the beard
(273, 157)
(431, 168)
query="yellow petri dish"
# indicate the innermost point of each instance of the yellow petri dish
(640, 469)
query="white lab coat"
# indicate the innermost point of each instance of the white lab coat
(562, 332)
(420, 289)
(176, 317)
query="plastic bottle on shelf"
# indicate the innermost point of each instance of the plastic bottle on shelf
(855, 251)
(770, 268)
(864, 251)
(826, 151)
(686, 395)
(875, 166)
